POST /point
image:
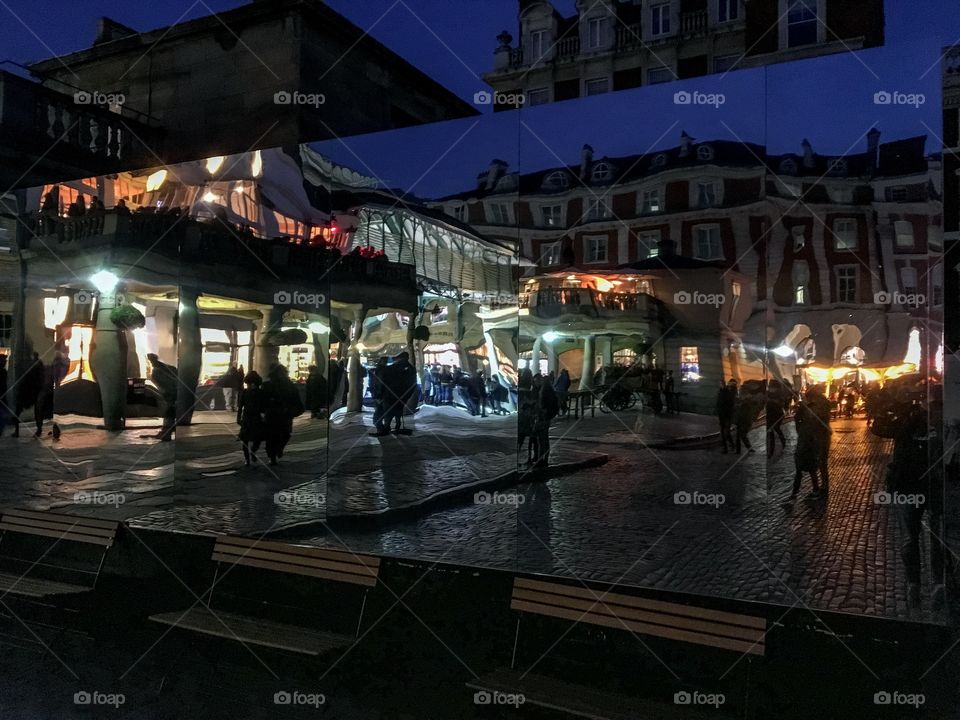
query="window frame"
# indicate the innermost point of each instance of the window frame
(838, 242)
(587, 82)
(643, 201)
(547, 253)
(854, 277)
(660, 13)
(560, 215)
(897, 225)
(719, 255)
(603, 241)
(651, 251)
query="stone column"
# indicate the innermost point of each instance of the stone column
(535, 355)
(266, 355)
(189, 354)
(553, 359)
(589, 362)
(355, 393)
(108, 361)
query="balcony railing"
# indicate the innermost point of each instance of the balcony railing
(693, 22)
(568, 47)
(189, 243)
(554, 302)
(628, 37)
(67, 135)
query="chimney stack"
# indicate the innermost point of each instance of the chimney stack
(685, 142)
(808, 160)
(873, 150)
(586, 161)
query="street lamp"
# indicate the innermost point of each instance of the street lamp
(784, 351)
(105, 281)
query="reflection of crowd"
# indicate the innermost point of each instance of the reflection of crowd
(449, 385)
(265, 413)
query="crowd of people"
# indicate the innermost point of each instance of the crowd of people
(450, 385)
(538, 405)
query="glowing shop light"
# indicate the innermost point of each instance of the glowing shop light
(156, 180)
(105, 281)
(215, 163)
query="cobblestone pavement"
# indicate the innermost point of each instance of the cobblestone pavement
(624, 522)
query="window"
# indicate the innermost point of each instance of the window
(845, 234)
(658, 75)
(842, 195)
(598, 209)
(595, 249)
(6, 331)
(595, 33)
(550, 253)
(788, 167)
(728, 10)
(725, 63)
(705, 152)
(660, 160)
(602, 172)
(708, 245)
(847, 284)
(801, 283)
(904, 232)
(660, 19)
(801, 22)
(551, 215)
(556, 181)
(735, 290)
(708, 194)
(648, 244)
(597, 86)
(459, 212)
(897, 194)
(627, 357)
(645, 287)
(540, 96)
(908, 280)
(499, 214)
(799, 235)
(650, 201)
(689, 364)
(538, 44)
(837, 167)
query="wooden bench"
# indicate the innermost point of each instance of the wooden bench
(28, 565)
(741, 634)
(255, 625)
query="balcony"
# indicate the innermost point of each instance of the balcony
(567, 48)
(556, 302)
(187, 249)
(628, 37)
(692, 23)
(49, 136)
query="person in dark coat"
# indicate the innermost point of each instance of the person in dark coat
(399, 385)
(165, 377)
(562, 389)
(820, 406)
(250, 408)
(807, 454)
(476, 394)
(316, 391)
(776, 406)
(726, 407)
(746, 412)
(547, 409)
(377, 392)
(281, 402)
(29, 388)
(527, 415)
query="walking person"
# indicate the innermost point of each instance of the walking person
(250, 409)
(526, 416)
(231, 384)
(776, 411)
(726, 407)
(820, 407)
(165, 377)
(281, 405)
(547, 409)
(28, 391)
(562, 388)
(670, 393)
(377, 393)
(316, 387)
(745, 413)
(476, 394)
(806, 457)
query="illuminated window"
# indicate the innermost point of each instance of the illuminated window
(625, 357)
(650, 201)
(648, 244)
(551, 215)
(689, 364)
(801, 282)
(550, 253)
(798, 233)
(645, 287)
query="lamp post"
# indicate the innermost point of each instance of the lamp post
(108, 353)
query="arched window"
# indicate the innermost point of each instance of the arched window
(556, 181)
(788, 166)
(602, 172)
(705, 152)
(837, 167)
(660, 160)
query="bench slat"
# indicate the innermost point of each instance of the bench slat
(366, 580)
(224, 543)
(592, 608)
(94, 540)
(63, 526)
(641, 603)
(80, 520)
(242, 628)
(298, 560)
(643, 628)
(37, 587)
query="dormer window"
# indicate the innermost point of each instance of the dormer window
(507, 182)
(705, 152)
(788, 167)
(837, 167)
(660, 160)
(556, 181)
(459, 211)
(602, 172)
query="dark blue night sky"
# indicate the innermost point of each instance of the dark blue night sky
(829, 100)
